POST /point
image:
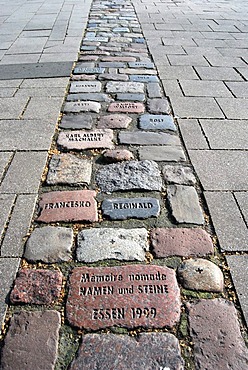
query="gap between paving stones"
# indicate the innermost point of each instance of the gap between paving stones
(131, 187)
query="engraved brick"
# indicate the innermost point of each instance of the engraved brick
(89, 70)
(78, 205)
(82, 106)
(79, 140)
(118, 59)
(156, 122)
(131, 97)
(85, 86)
(114, 121)
(83, 77)
(127, 87)
(128, 107)
(98, 97)
(127, 296)
(143, 78)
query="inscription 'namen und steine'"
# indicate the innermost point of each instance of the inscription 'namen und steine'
(127, 296)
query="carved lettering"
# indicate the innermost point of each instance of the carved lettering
(69, 204)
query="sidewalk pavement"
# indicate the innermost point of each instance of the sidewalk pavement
(128, 186)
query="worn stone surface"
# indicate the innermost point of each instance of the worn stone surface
(76, 121)
(82, 106)
(37, 286)
(201, 274)
(148, 138)
(131, 175)
(124, 208)
(128, 107)
(156, 122)
(105, 243)
(88, 70)
(219, 344)
(183, 242)
(141, 65)
(184, 204)
(69, 169)
(114, 121)
(77, 205)
(29, 343)
(118, 155)
(97, 97)
(131, 97)
(83, 77)
(49, 244)
(79, 140)
(146, 351)
(154, 90)
(178, 174)
(158, 106)
(85, 86)
(162, 153)
(132, 71)
(113, 77)
(143, 78)
(124, 87)
(128, 296)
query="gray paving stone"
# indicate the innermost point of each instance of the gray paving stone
(99, 97)
(85, 86)
(5, 159)
(143, 78)
(49, 244)
(239, 268)
(218, 74)
(43, 108)
(131, 97)
(113, 77)
(131, 175)
(29, 343)
(82, 106)
(76, 121)
(201, 274)
(141, 65)
(177, 72)
(124, 87)
(184, 204)
(12, 108)
(239, 89)
(6, 204)
(228, 222)
(162, 153)
(8, 270)
(214, 174)
(222, 327)
(242, 199)
(154, 90)
(124, 208)
(69, 169)
(147, 351)
(24, 173)
(234, 108)
(120, 244)
(148, 138)
(156, 122)
(158, 106)
(192, 134)
(178, 174)
(205, 88)
(112, 65)
(88, 70)
(118, 155)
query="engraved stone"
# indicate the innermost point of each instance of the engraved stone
(201, 274)
(185, 204)
(156, 122)
(130, 71)
(130, 175)
(158, 106)
(76, 121)
(148, 138)
(118, 155)
(96, 39)
(118, 59)
(124, 208)
(36, 286)
(113, 76)
(79, 140)
(69, 169)
(105, 243)
(114, 121)
(126, 87)
(77, 205)
(82, 106)
(141, 65)
(162, 153)
(89, 96)
(126, 296)
(49, 244)
(131, 97)
(88, 70)
(83, 77)
(140, 352)
(178, 174)
(85, 86)
(128, 107)
(143, 78)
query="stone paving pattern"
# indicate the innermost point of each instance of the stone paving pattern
(109, 186)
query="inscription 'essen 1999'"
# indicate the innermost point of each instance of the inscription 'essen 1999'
(127, 296)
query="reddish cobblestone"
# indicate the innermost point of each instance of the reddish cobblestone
(118, 155)
(128, 107)
(127, 296)
(114, 121)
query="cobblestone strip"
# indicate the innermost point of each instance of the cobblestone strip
(120, 182)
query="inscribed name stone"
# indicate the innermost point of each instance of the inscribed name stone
(125, 87)
(82, 106)
(88, 70)
(126, 296)
(79, 140)
(128, 107)
(85, 86)
(156, 122)
(78, 205)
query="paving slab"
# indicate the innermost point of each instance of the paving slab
(242, 199)
(12, 108)
(76, 121)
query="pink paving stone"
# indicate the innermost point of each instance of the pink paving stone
(88, 57)
(118, 59)
(181, 242)
(215, 331)
(125, 296)
(114, 121)
(128, 107)
(86, 139)
(77, 205)
(83, 77)
(118, 155)
(36, 286)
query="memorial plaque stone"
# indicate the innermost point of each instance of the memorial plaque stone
(123, 208)
(143, 78)
(125, 296)
(128, 107)
(79, 140)
(141, 65)
(82, 106)
(89, 70)
(78, 205)
(85, 86)
(156, 122)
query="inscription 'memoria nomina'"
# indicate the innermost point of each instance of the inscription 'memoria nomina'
(125, 296)
(78, 205)
(86, 139)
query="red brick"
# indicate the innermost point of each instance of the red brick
(181, 242)
(78, 205)
(128, 107)
(114, 121)
(126, 296)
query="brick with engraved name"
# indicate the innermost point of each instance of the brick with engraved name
(156, 122)
(89, 70)
(83, 139)
(85, 86)
(82, 106)
(126, 87)
(127, 296)
(128, 107)
(77, 205)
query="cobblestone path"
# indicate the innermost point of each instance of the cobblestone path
(121, 268)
